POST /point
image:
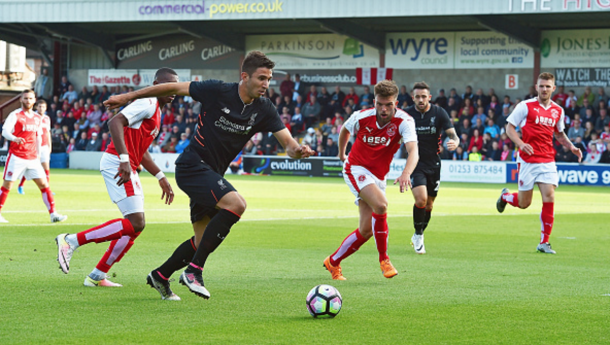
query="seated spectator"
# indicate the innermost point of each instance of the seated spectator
(106, 141)
(351, 95)
(474, 155)
(297, 123)
(327, 126)
(605, 135)
(353, 106)
(183, 143)
(188, 132)
(170, 147)
(76, 131)
(84, 93)
(288, 103)
(605, 158)
(495, 154)
(476, 141)
(94, 144)
(531, 94)
(495, 105)
(507, 153)
(94, 116)
(581, 146)
(71, 146)
(285, 114)
(81, 144)
(286, 123)
(443, 153)
(492, 129)
(602, 121)
(56, 131)
(347, 113)
(588, 131)
(311, 111)
(467, 109)
(339, 124)
(312, 92)
(334, 134)
(464, 141)
(323, 97)
(459, 154)
(478, 124)
(168, 117)
(454, 118)
(180, 123)
(154, 147)
(594, 155)
(104, 95)
(71, 96)
(338, 96)
(331, 149)
(451, 106)
(576, 130)
(94, 129)
(337, 117)
(560, 96)
(517, 101)
(587, 96)
(299, 102)
(487, 145)
(479, 115)
(310, 137)
(565, 155)
(367, 99)
(456, 98)
(468, 94)
(504, 140)
(441, 99)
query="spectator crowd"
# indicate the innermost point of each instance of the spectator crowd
(315, 116)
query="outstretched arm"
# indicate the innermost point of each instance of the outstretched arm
(454, 140)
(159, 90)
(292, 147)
(563, 139)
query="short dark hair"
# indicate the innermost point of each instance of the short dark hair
(547, 76)
(255, 60)
(421, 85)
(41, 101)
(386, 88)
(163, 71)
(28, 91)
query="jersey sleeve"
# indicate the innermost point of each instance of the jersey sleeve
(518, 116)
(9, 126)
(407, 130)
(139, 110)
(445, 120)
(205, 91)
(561, 125)
(352, 124)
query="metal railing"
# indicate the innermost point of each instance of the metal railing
(9, 106)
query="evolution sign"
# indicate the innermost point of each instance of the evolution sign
(177, 51)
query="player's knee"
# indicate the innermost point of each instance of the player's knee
(381, 208)
(137, 222)
(366, 232)
(429, 207)
(421, 202)
(238, 206)
(523, 204)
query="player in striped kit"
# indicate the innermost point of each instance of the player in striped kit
(45, 142)
(379, 133)
(23, 128)
(132, 130)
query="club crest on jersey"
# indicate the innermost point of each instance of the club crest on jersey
(222, 184)
(252, 119)
(392, 129)
(226, 110)
(554, 113)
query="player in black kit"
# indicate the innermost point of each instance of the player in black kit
(430, 121)
(231, 114)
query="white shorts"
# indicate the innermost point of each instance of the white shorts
(45, 154)
(532, 173)
(358, 177)
(16, 167)
(128, 197)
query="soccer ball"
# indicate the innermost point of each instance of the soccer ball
(324, 301)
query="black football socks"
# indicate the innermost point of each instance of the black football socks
(179, 259)
(218, 228)
(419, 219)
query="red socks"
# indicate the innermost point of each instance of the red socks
(547, 217)
(111, 230)
(512, 199)
(22, 181)
(3, 196)
(47, 198)
(116, 251)
(380, 230)
(349, 246)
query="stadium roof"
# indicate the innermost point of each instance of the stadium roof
(104, 24)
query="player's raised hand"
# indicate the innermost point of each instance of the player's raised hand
(526, 148)
(404, 181)
(116, 101)
(168, 193)
(124, 173)
(451, 145)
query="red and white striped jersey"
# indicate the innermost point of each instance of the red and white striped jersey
(375, 146)
(144, 118)
(538, 125)
(27, 126)
(46, 129)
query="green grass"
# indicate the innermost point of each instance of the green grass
(480, 283)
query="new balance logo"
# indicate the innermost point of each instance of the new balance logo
(226, 110)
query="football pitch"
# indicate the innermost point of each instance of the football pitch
(481, 281)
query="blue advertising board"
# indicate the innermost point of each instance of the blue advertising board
(571, 173)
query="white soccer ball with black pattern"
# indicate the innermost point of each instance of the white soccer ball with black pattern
(324, 301)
